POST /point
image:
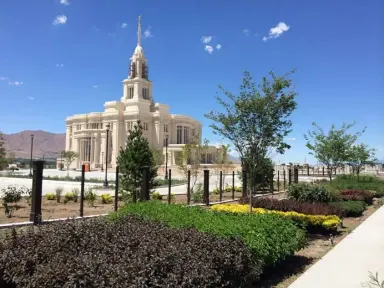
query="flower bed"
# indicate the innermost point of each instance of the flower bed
(350, 208)
(130, 252)
(287, 205)
(271, 238)
(357, 195)
(327, 222)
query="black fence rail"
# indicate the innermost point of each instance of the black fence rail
(224, 192)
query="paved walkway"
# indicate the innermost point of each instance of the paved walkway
(348, 264)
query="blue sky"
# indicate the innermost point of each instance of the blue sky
(52, 71)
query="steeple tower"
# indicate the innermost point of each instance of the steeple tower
(137, 85)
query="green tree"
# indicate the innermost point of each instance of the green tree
(360, 155)
(256, 120)
(158, 156)
(3, 160)
(190, 159)
(331, 149)
(222, 163)
(133, 158)
(69, 157)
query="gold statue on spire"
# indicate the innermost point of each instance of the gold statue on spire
(139, 32)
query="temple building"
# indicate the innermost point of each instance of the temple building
(86, 134)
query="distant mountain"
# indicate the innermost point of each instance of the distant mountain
(235, 160)
(43, 143)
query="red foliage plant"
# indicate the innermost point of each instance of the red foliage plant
(292, 205)
(357, 195)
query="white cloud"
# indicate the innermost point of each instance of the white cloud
(60, 65)
(277, 31)
(64, 2)
(95, 86)
(15, 83)
(31, 98)
(124, 25)
(147, 33)
(206, 39)
(246, 32)
(291, 139)
(111, 34)
(218, 46)
(3, 78)
(59, 20)
(209, 49)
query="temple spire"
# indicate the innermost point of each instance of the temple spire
(139, 32)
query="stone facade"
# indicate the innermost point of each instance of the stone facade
(86, 134)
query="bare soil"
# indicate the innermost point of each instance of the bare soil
(289, 270)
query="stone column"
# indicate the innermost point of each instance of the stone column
(113, 137)
(157, 134)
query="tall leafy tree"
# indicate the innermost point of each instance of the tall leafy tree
(3, 160)
(256, 120)
(332, 149)
(360, 155)
(133, 158)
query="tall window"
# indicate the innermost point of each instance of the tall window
(186, 135)
(209, 158)
(130, 92)
(145, 126)
(78, 127)
(179, 134)
(145, 94)
(165, 127)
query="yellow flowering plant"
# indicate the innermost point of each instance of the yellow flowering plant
(328, 222)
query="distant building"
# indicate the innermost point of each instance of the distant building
(86, 133)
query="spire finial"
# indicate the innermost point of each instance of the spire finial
(139, 32)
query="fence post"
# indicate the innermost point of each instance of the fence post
(37, 192)
(206, 187)
(82, 190)
(169, 185)
(278, 180)
(117, 188)
(289, 176)
(271, 183)
(233, 185)
(144, 195)
(308, 170)
(296, 175)
(189, 187)
(323, 171)
(284, 180)
(245, 182)
(221, 186)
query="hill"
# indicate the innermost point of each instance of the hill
(44, 143)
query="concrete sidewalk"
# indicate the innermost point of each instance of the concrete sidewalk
(348, 264)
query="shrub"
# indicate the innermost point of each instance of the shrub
(106, 199)
(216, 191)
(10, 196)
(327, 222)
(50, 196)
(305, 192)
(90, 197)
(286, 205)
(156, 196)
(140, 254)
(75, 194)
(197, 193)
(350, 208)
(357, 195)
(59, 191)
(379, 203)
(271, 238)
(173, 198)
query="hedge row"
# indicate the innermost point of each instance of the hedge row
(314, 223)
(286, 205)
(350, 208)
(357, 195)
(130, 252)
(271, 238)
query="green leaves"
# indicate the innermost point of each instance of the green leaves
(257, 119)
(334, 148)
(133, 158)
(3, 161)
